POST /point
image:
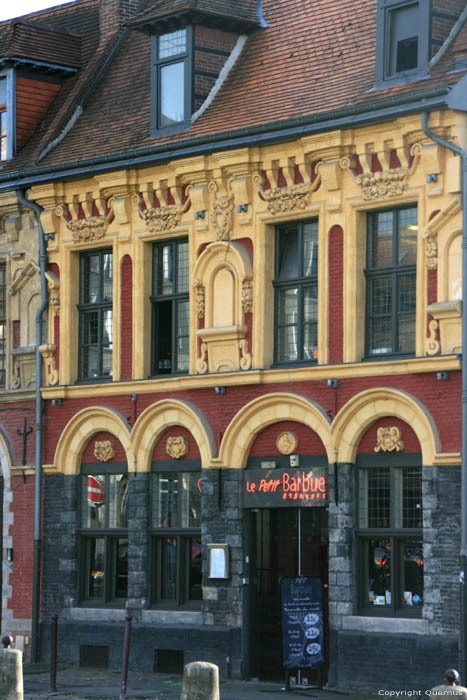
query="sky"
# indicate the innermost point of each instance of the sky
(23, 7)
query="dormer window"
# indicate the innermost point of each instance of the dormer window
(3, 119)
(172, 80)
(403, 40)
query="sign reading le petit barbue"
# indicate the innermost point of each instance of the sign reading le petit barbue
(275, 488)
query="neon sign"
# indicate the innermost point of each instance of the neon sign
(277, 488)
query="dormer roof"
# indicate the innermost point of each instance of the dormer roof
(27, 42)
(163, 15)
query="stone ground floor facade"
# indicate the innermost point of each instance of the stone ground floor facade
(131, 517)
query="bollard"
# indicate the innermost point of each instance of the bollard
(53, 654)
(11, 673)
(200, 681)
(126, 654)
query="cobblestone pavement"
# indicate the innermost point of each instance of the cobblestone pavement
(97, 684)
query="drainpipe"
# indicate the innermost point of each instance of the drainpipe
(463, 551)
(36, 584)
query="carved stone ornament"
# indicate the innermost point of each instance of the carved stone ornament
(245, 359)
(387, 183)
(16, 375)
(247, 297)
(176, 447)
(432, 344)
(431, 252)
(285, 199)
(53, 285)
(389, 440)
(159, 219)
(287, 443)
(91, 228)
(201, 363)
(48, 352)
(221, 215)
(200, 300)
(104, 450)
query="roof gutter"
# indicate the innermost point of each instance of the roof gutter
(241, 138)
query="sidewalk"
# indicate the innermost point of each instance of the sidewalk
(81, 683)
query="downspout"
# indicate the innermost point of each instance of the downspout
(463, 551)
(36, 584)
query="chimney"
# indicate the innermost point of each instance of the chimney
(113, 14)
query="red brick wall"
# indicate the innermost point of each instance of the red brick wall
(22, 533)
(369, 440)
(336, 272)
(88, 454)
(308, 441)
(127, 318)
(160, 452)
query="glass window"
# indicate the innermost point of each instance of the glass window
(95, 315)
(3, 120)
(176, 537)
(2, 325)
(104, 538)
(170, 307)
(390, 540)
(296, 292)
(172, 79)
(391, 281)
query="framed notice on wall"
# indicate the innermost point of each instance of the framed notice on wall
(218, 561)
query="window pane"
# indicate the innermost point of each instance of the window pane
(408, 229)
(412, 512)
(172, 44)
(288, 306)
(288, 255)
(287, 330)
(107, 276)
(379, 503)
(121, 568)
(195, 575)
(93, 501)
(183, 272)
(379, 572)
(91, 277)
(163, 272)
(381, 240)
(310, 249)
(163, 337)
(172, 93)
(165, 495)
(183, 316)
(168, 574)
(190, 500)
(310, 318)
(413, 572)
(380, 315)
(118, 499)
(96, 563)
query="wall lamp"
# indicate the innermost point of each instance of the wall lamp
(442, 376)
(57, 402)
(200, 215)
(333, 382)
(219, 389)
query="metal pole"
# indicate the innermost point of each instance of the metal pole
(126, 654)
(463, 550)
(53, 654)
(36, 584)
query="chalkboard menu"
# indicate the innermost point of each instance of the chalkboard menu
(302, 623)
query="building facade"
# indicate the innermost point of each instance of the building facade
(252, 357)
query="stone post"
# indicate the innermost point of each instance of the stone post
(11, 674)
(200, 681)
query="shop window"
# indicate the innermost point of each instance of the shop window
(171, 80)
(104, 538)
(95, 315)
(170, 307)
(176, 538)
(296, 292)
(390, 540)
(391, 282)
(2, 325)
(403, 39)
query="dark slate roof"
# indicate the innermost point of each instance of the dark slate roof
(40, 42)
(314, 61)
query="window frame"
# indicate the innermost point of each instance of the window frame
(385, 46)
(99, 307)
(9, 76)
(185, 57)
(175, 298)
(397, 536)
(301, 283)
(109, 535)
(3, 324)
(393, 272)
(183, 537)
